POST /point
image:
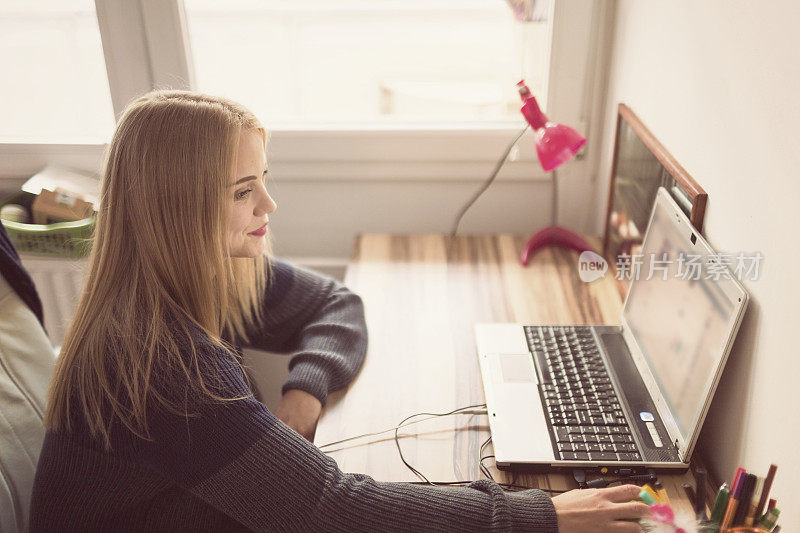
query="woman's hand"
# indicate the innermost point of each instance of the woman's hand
(300, 411)
(600, 510)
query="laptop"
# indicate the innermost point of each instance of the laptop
(628, 397)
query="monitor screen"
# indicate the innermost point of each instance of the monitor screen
(681, 310)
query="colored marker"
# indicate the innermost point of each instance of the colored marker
(662, 493)
(732, 504)
(653, 494)
(765, 490)
(745, 499)
(751, 519)
(646, 498)
(739, 472)
(700, 481)
(772, 503)
(768, 522)
(720, 504)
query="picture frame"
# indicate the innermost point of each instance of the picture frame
(639, 167)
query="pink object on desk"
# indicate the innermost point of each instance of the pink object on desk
(555, 145)
(554, 236)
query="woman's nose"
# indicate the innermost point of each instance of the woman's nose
(267, 205)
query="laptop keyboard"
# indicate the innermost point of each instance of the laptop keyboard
(586, 419)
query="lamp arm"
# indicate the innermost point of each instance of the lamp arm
(554, 199)
(488, 181)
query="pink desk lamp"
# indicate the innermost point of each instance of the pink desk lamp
(555, 145)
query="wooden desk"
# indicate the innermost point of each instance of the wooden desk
(422, 301)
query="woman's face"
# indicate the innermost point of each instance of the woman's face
(249, 201)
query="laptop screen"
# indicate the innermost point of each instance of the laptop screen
(682, 310)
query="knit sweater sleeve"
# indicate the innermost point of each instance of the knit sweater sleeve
(319, 322)
(239, 458)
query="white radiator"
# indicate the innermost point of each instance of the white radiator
(59, 283)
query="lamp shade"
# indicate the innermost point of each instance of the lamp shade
(555, 143)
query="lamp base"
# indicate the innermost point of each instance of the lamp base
(553, 236)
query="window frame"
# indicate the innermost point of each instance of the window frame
(146, 45)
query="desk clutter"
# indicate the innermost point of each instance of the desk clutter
(744, 509)
(53, 214)
(745, 504)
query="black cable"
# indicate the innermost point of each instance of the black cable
(488, 181)
(602, 482)
(375, 433)
(397, 440)
(485, 471)
(426, 481)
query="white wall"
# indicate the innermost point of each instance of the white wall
(717, 82)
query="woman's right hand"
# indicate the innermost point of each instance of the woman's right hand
(600, 510)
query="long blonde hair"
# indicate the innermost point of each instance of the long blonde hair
(159, 263)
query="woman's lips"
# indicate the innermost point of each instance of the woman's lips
(260, 232)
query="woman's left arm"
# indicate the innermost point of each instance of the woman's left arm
(320, 322)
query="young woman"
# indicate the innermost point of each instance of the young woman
(151, 423)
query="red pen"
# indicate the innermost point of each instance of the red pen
(772, 503)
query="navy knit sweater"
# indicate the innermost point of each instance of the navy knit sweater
(17, 277)
(233, 466)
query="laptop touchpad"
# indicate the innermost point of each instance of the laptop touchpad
(517, 368)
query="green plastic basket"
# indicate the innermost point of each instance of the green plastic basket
(63, 239)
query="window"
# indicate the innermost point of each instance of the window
(349, 89)
(368, 61)
(54, 76)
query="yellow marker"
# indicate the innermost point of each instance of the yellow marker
(662, 493)
(652, 493)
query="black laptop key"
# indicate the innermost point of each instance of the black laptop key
(628, 456)
(629, 447)
(593, 447)
(562, 435)
(603, 456)
(569, 456)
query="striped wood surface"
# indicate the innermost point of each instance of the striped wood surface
(422, 295)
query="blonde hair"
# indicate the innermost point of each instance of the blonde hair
(159, 264)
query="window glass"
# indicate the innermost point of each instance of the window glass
(378, 61)
(54, 86)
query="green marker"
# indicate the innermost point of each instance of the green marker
(769, 520)
(646, 498)
(720, 504)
